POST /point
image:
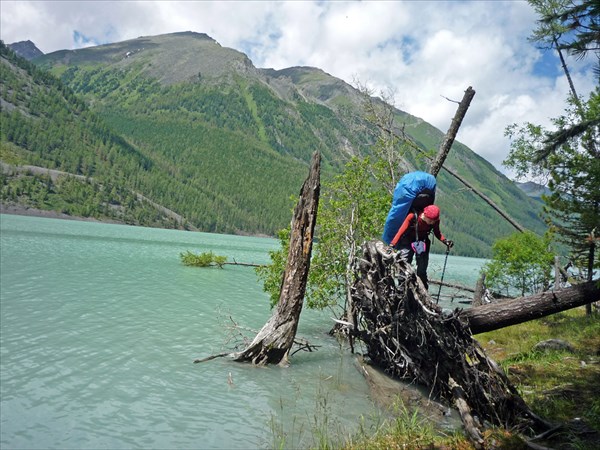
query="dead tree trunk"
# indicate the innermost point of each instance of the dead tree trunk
(274, 341)
(479, 291)
(590, 268)
(511, 312)
(407, 335)
(486, 199)
(463, 106)
(437, 163)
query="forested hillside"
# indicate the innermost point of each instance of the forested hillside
(44, 124)
(224, 144)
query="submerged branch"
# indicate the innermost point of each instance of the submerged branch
(209, 259)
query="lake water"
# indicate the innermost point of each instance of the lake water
(100, 324)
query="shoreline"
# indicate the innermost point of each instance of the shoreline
(18, 210)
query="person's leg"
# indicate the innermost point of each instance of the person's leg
(422, 263)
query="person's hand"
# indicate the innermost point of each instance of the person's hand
(449, 243)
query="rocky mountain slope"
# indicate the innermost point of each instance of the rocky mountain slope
(26, 49)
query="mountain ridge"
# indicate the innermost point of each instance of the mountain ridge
(26, 49)
(533, 189)
(220, 115)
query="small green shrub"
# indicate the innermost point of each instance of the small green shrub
(206, 259)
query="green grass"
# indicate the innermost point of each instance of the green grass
(406, 430)
(560, 386)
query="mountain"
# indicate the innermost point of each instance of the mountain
(57, 155)
(224, 144)
(26, 49)
(533, 189)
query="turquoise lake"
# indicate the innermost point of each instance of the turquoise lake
(100, 324)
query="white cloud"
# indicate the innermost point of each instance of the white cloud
(423, 51)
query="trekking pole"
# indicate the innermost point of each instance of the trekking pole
(443, 272)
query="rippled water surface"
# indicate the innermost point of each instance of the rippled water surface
(100, 324)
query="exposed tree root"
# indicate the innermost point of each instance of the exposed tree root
(407, 335)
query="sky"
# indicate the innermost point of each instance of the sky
(422, 54)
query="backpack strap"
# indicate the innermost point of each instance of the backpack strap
(416, 224)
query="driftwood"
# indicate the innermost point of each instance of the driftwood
(236, 334)
(408, 336)
(273, 342)
(459, 287)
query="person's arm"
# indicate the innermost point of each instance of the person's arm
(402, 229)
(438, 234)
(436, 231)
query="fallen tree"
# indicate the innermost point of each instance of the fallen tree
(494, 316)
(407, 335)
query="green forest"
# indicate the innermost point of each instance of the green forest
(226, 153)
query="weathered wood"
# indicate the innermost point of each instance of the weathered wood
(443, 152)
(273, 342)
(235, 263)
(457, 286)
(498, 315)
(592, 239)
(408, 336)
(486, 199)
(465, 412)
(479, 290)
(463, 106)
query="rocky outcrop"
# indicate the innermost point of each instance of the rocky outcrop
(26, 49)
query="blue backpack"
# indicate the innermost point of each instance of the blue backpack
(415, 190)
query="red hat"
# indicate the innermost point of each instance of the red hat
(432, 212)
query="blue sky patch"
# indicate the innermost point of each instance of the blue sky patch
(407, 45)
(81, 40)
(548, 65)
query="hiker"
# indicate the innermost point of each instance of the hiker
(415, 190)
(413, 238)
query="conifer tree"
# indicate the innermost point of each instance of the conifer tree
(567, 159)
